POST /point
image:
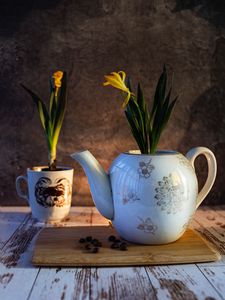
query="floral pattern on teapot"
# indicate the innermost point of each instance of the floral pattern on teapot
(147, 226)
(130, 197)
(145, 169)
(169, 194)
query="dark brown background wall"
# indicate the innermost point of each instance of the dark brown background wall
(90, 38)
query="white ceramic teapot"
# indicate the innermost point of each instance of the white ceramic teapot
(150, 199)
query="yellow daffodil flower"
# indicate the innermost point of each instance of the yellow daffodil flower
(57, 76)
(117, 80)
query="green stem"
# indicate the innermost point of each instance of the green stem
(153, 146)
(153, 150)
(52, 158)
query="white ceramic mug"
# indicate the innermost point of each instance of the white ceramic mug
(49, 192)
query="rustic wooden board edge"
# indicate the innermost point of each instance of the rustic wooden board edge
(90, 265)
(209, 244)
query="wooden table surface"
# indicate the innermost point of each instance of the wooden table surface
(20, 280)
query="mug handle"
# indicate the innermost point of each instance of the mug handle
(212, 169)
(18, 187)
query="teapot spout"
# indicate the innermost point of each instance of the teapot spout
(99, 182)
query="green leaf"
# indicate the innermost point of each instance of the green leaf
(169, 111)
(160, 91)
(139, 121)
(140, 98)
(134, 107)
(161, 112)
(43, 113)
(128, 83)
(135, 131)
(145, 113)
(163, 122)
(167, 100)
(51, 103)
(132, 115)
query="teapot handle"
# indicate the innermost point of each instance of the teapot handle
(212, 169)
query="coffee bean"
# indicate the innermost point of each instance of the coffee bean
(94, 250)
(111, 238)
(88, 247)
(115, 245)
(95, 242)
(92, 244)
(123, 246)
(88, 239)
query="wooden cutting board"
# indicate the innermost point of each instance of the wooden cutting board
(60, 247)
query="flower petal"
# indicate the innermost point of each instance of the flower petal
(123, 75)
(117, 80)
(115, 83)
(125, 102)
(115, 74)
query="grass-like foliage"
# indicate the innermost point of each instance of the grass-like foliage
(146, 124)
(52, 117)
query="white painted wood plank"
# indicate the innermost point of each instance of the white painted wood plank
(201, 230)
(121, 284)
(62, 284)
(216, 275)
(181, 282)
(213, 223)
(9, 221)
(203, 221)
(78, 216)
(14, 227)
(65, 283)
(208, 223)
(218, 209)
(17, 246)
(15, 209)
(16, 283)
